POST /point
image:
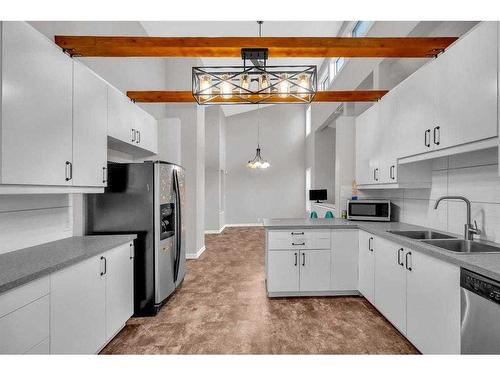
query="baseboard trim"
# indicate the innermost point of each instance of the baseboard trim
(244, 225)
(197, 255)
(328, 293)
(215, 231)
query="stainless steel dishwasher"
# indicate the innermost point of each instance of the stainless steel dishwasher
(480, 324)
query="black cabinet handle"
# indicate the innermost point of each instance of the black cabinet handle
(133, 135)
(437, 139)
(104, 175)
(131, 252)
(296, 259)
(408, 255)
(69, 171)
(138, 136)
(105, 266)
(427, 142)
(298, 244)
(375, 174)
(391, 172)
(399, 257)
(297, 233)
(370, 244)
(303, 259)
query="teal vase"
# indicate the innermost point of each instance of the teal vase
(329, 215)
(314, 215)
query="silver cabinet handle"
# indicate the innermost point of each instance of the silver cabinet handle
(296, 260)
(437, 135)
(138, 136)
(69, 171)
(399, 257)
(427, 142)
(105, 266)
(370, 244)
(303, 259)
(133, 135)
(408, 265)
(104, 175)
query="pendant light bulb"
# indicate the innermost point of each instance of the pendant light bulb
(205, 86)
(244, 83)
(264, 84)
(303, 85)
(284, 86)
(225, 87)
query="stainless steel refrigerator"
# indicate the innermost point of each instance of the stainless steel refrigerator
(147, 199)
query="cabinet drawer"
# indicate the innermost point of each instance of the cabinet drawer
(299, 239)
(21, 296)
(25, 328)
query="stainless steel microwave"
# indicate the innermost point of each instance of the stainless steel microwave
(370, 210)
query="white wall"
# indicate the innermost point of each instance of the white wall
(324, 164)
(278, 191)
(214, 159)
(345, 159)
(473, 175)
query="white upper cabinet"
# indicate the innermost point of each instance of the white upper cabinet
(130, 128)
(366, 147)
(466, 89)
(90, 125)
(386, 139)
(415, 112)
(36, 126)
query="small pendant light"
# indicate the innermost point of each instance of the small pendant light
(258, 162)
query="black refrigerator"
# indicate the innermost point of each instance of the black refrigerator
(147, 199)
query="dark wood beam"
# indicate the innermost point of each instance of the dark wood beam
(321, 96)
(119, 46)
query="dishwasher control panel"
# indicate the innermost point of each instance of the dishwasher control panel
(480, 285)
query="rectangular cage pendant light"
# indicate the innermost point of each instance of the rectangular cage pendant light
(256, 84)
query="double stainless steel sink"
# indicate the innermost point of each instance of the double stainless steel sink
(447, 242)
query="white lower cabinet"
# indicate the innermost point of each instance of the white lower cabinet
(417, 293)
(344, 260)
(314, 270)
(283, 271)
(433, 305)
(77, 308)
(119, 289)
(390, 283)
(90, 302)
(366, 271)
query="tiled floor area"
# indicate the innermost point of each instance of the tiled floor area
(222, 308)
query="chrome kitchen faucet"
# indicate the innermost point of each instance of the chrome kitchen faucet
(469, 230)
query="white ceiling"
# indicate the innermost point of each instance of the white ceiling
(244, 28)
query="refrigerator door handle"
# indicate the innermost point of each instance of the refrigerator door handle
(178, 226)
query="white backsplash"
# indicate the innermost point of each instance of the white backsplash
(474, 175)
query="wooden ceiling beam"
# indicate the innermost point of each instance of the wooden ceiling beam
(321, 96)
(119, 46)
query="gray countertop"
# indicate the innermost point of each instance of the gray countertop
(484, 264)
(22, 266)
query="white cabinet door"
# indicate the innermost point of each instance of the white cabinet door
(366, 271)
(90, 114)
(315, 270)
(77, 308)
(415, 111)
(344, 262)
(390, 283)
(283, 271)
(148, 136)
(433, 305)
(121, 119)
(387, 142)
(119, 288)
(36, 108)
(467, 88)
(366, 146)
